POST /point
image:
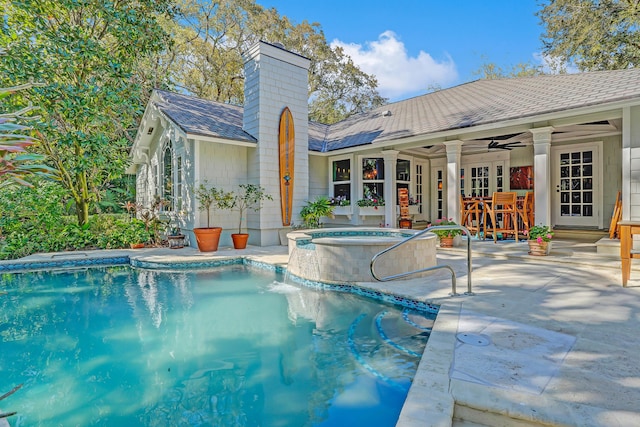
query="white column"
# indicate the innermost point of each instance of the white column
(454, 153)
(390, 158)
(542, 185)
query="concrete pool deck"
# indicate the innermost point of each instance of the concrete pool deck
(566, 314)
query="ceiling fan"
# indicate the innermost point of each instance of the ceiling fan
(505, 145)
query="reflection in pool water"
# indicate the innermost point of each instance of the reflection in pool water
(228, 346)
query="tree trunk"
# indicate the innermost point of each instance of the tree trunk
(82, 198)
(82, 211)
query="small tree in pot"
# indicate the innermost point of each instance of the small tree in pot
(210, 198)
(250, 196)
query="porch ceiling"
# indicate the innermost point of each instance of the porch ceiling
(522, 139)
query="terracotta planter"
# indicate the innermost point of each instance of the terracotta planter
(539, 249)
(207, 238)
(136, 245)
(240, 240)
(446, 242)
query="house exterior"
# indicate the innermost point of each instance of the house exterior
(573, 139)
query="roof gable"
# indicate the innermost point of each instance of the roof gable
(196, 116)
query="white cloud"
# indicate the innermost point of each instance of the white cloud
(398, 74)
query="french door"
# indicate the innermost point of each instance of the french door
(421, 190)
(576, 185)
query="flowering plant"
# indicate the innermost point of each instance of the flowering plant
(370, 199)
(339, 201)
(447, 233)
(540, 233)
(375, 202)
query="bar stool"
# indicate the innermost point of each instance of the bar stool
(471, 215)
(526, 211)
(503, 204)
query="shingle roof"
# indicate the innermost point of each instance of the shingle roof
(483, 102)
(203, 117)
(470, 104)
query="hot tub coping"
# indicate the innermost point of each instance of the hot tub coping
(354, 236)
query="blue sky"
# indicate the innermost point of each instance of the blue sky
(411, 45)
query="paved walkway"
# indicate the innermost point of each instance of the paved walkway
(562, 335)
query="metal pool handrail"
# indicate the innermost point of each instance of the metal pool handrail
(453, 274)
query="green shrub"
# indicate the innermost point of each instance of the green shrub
(313, 211)
(36, 220)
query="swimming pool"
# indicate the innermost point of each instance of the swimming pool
(230, 346)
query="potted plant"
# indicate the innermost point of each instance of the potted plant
(313, 211)
(446, 236)
(539, 239)
(210, 198)
(341, 205)
(136, 234)
(370, 204)
(250, 196)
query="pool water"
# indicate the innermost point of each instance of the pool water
(231, 346)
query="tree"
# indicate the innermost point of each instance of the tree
(490, 70)
(206, 58)
(86, 53)
(592, 34)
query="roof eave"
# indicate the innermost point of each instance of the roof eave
(523, 122)
(222, 140)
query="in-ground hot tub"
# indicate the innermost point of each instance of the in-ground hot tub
(344, 254)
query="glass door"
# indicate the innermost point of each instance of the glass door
(421, 191)
(576, 181)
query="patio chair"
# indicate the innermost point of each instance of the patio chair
(526, 211)
(503, 213)
(471, 214)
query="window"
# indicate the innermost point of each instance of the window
(178, 194)
(480, 181)
(167, 174)
(155, 181)
(373, 178)
(499, 178)
(341, 179)
(171, 185)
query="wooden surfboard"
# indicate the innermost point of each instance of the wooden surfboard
(286, 148)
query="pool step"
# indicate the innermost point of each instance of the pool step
(401, 335)
(390, 345)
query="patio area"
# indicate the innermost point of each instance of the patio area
(561, 332)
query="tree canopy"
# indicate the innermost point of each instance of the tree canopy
(206, 57)
(85, 53)
(490, 70)
(592, 34)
